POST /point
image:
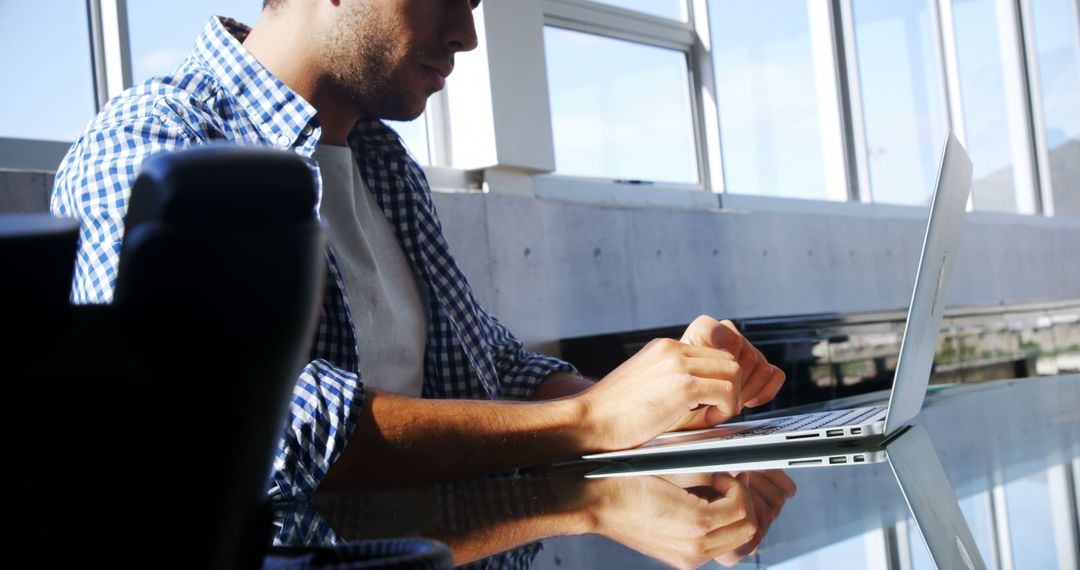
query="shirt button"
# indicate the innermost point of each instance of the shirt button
(283, 141)
(307, 131)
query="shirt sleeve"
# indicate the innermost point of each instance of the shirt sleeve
(93, 184)
(520, 371)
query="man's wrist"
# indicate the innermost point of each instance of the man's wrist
(574, 422)
(560, 384)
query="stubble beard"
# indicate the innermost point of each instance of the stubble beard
(362, 64)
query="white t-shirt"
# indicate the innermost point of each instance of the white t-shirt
(386, 297)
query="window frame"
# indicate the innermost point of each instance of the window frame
(613, 22)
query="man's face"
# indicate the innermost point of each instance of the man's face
(389, 56)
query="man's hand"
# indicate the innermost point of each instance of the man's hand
(655, 391)
(759, 381)
(701, 381)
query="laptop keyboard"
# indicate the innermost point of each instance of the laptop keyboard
(812, 421)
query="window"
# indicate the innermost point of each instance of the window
(673, 9)
(995, 129)
(776, 93)
(162, 33)
(1030, 497)
(620, 109)
(415, 135)
(1057, 96)
(53, 36)
(903, 106)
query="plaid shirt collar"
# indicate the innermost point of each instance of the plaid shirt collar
(280, 114)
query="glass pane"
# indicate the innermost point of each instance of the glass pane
(619, 109)
(54, 36)
(673, 9)
(994, 125)
(157, 48)
(1055, 24)
(1029, 512)
(414, 133)
(771, 84)
(903, 99)
(852, 550)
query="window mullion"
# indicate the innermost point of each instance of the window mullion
(1038, 119)
(710, 155)
(857, 145)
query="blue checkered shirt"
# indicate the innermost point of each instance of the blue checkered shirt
(220, 92)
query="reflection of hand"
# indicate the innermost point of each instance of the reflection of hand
(681, 527)
(769, 491)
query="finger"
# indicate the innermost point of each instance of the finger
(734, 490)
(707, 331)
(764, 514)
(756, 379)
(728, 334)
(769, 391)
(711, 366)
(701, 418)
(700, 331)
(733, 507)
(721, 394)
(781, 480)
(732, 539)
(762, 487)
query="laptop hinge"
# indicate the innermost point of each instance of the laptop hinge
(894, 435)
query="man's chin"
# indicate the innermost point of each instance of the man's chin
(405, 113)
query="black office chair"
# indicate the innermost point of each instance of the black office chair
(37, 260)
(164, 408)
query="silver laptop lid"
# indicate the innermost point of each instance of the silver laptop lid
(931, 284)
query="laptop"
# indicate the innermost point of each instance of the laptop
(917, 348)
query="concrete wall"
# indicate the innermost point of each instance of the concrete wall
(551, 269)
(554, 269)
(24, 191)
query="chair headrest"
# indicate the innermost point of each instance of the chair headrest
(223, 186)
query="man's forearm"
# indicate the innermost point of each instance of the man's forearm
(560, 384)
(399, 441)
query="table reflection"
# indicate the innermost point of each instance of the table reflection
(993, 464)
(683, 520)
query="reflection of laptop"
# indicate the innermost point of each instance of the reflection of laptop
(916, 350)
(911, 455)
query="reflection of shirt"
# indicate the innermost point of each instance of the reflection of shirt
(220, 92)
(384, 297)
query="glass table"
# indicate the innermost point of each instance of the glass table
(994, 466)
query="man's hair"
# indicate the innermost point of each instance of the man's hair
(272, 4)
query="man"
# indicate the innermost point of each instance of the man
(399, 319)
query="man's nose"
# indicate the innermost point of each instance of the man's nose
(459, 34)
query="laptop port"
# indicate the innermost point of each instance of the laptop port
(836, 460)
(834, 432)
(804, 462)
(857, 459)
(856, 431)
(803, 436)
